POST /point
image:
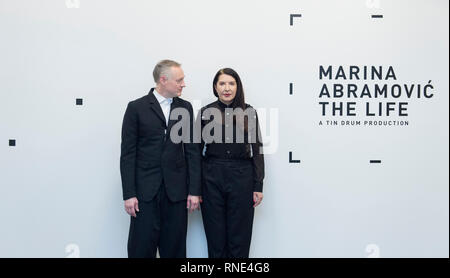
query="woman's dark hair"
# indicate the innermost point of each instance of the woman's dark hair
(239, 99)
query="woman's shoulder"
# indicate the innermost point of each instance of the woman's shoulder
(212, 104)
(248, 106)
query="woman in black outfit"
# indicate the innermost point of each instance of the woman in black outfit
(233, 168)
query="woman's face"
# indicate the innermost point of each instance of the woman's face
(226, 88)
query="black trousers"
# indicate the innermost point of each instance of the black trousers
(227, 207)
(161, 224)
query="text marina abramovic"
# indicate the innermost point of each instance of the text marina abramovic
(391, 89)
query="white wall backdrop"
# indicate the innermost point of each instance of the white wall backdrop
(60, 184)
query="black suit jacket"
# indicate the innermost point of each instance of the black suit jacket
(149, 156)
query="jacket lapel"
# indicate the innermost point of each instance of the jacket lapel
(171, 122)
(156, 107)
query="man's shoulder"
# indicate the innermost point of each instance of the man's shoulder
(139, 101)
(182, 102)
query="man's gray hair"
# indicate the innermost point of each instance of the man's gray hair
(163, 68)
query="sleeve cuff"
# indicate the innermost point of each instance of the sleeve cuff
(258, 187)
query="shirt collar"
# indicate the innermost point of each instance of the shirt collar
(223, 105)
(161, 99)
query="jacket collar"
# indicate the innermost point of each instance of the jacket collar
(156, 107)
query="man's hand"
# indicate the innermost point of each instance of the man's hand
(131, 206)
(193, 202)
(257, 198)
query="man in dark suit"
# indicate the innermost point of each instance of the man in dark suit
(160, 177)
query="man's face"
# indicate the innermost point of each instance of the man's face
(174, 83)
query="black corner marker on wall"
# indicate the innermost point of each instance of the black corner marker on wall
(292, 18)
(375, 161)
(377, 16)
(291, 160)
(291, 88)
(79, 101)
(12, 142)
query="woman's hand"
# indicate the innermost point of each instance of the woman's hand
(257, 198)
